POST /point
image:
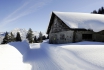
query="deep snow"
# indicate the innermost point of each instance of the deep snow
(12, 55)
(94, 22)
(44, 56)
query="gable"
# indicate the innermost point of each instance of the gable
(58, 25)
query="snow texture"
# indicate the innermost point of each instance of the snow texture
(94, 22)
(44, 56)
(11, 56)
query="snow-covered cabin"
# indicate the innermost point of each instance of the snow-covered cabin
(65, 27)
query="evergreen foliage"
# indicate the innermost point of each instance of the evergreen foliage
(43, 37)
(18, 37)
(100, 11)
(12, 38)
(29, 35)
(35, 39)
(95, 12)
(5, 39)
(40, 37)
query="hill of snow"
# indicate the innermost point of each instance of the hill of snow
(11, 56)
(44, 56)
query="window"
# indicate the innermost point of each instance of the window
(87, 36)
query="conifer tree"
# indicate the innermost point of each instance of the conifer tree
(18, 37)
(95, 12)
(29, 35)
(40, 37)
(12, 38)
(5, 39)
(102, 9)
(35, 39)
(44, 37)
(99, 11)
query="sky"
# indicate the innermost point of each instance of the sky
(35, 14)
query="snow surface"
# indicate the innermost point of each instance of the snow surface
(44, 56)
(82, 20)
(12, 55)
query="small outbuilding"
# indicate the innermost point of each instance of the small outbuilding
(67, 27)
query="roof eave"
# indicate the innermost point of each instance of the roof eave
(50, 23)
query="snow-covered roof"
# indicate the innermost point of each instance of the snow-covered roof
(94, 22)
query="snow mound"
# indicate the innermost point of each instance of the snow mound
(66, 56)
(44, 56)
(12, 55)
(22, 47)
(92, 55)
(82, 20)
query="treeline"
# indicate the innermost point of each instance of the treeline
(100, 11)
(9, 37)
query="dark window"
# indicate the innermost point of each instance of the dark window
(87, 36)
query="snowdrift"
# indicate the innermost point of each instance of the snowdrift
(68, 56)
(12, 56)
(43, 56)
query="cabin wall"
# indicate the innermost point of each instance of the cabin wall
(61, 37)
(58, 26)
(95, 36)
(99, 36)
(78, 35)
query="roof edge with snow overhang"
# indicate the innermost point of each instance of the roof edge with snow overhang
(76, 20)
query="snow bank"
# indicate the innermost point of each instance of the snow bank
(67, 56)
(92, 55)
(82, 20)
(12, 56)
(44, 56)
(22, 47)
